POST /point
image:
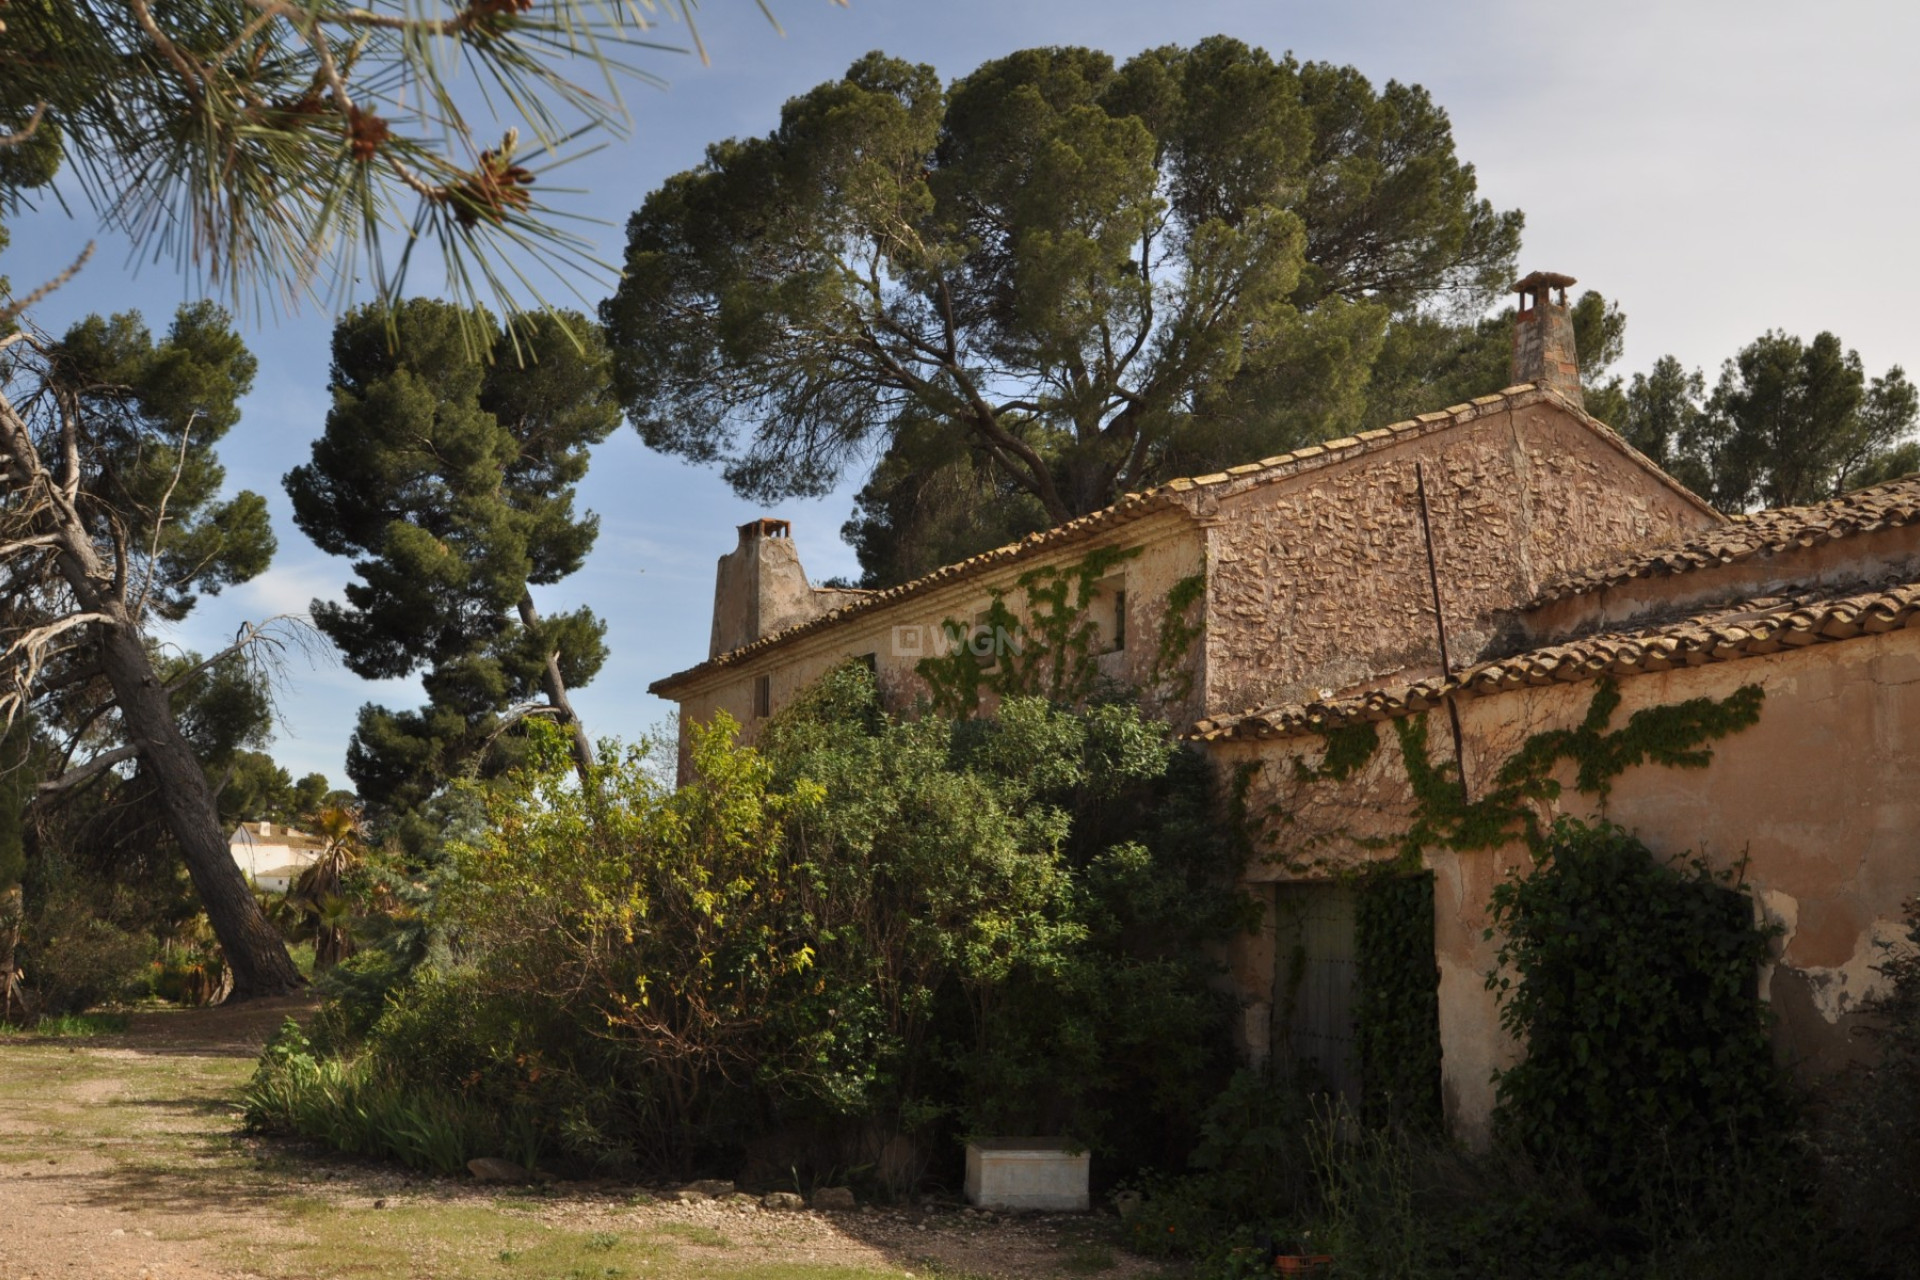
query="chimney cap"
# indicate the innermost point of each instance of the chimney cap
(1540, 281)
(766, 528)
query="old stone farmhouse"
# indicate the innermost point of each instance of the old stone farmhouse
(1473, 576)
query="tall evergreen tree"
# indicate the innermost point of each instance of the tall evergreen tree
(449, 475)
(1789, 422)
(1053, 282)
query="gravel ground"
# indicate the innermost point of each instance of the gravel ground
(121, 1158)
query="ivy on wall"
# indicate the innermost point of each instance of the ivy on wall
(1648, 1069)
(1397, 998)
(1047, 649)
(1674, 736)
(1181, 622)
(1443, 817)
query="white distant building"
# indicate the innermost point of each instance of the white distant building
(272, 857)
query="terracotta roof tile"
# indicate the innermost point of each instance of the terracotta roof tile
(1747, 629)
(1137, 505)
(1884, 506)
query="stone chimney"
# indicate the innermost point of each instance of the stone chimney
(1543, 350)
(760, 587)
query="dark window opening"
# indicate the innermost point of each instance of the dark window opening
(762, 697)
(984, 641)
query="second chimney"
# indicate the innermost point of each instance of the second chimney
(760, 587)
(1543, 349)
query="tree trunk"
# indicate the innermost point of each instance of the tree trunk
(256, 954)
(12, 913)
(557, 693)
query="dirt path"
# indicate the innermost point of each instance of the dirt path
(122, 1158)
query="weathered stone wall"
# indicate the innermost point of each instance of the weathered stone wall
(1169, 549)
(1819, 798)
(1320, 581)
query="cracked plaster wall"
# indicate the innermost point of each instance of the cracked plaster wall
(1819, 797)
(1320, 582)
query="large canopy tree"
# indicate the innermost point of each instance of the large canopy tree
(449, 475)
(1789, 422)
(111, 518)
(1073, 277)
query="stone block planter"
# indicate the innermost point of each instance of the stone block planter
(1027, 1173)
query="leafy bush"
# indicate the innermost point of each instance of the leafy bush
(75, 957)
(1633, 987)
(1869, 1135)
(356, 992)
(863, 936)
(1250, 1179)
(1396, 1020)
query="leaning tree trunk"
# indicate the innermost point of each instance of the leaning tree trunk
(557, 698)
(256, 953)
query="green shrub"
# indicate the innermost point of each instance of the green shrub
(74, 958)
(891, 931)
(361, 1107)
(355, 993)
(1633, 987)
(1397, 998)
(1868, 1137)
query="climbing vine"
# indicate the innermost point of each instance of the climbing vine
(1443, 817)
(1675, 736)
(1648, 1069)
(1047, 650)
(1396, 1014)
(1396, 1017)
(1181, 623)
(1348, 750)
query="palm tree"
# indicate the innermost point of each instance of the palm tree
(320, 889)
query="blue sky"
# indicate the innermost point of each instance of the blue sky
(1720, 169)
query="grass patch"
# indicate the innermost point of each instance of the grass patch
(694, 1233)
(69, 1024)
(484, 1243)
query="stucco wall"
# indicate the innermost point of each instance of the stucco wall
(1320, 581)
(1820, 798)
(1170, 548)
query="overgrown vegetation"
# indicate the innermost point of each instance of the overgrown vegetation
(841, 949)
(867, 937)
(1648, 1132)
(1396, 1017)
(1633, 985)
(1867, 1132)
